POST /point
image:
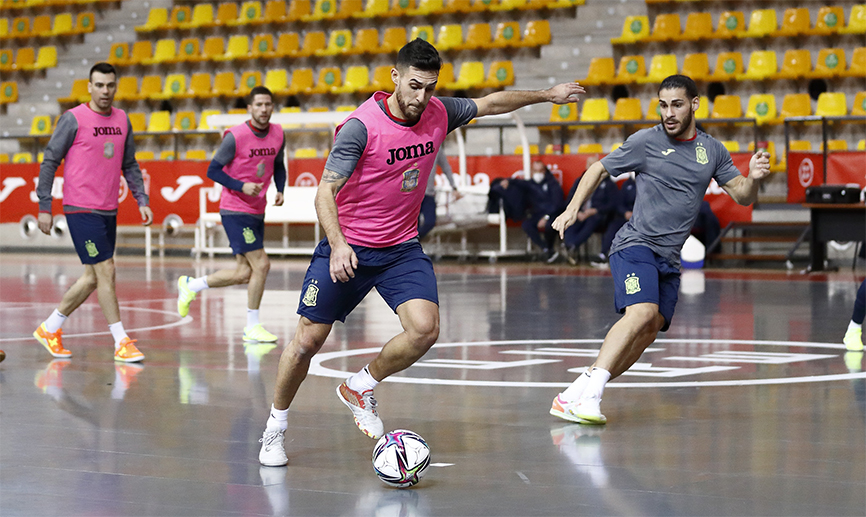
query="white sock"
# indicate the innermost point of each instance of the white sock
(278, 420)
(117, 333)
(54, 322)
(598, 377)
(198, 285)
(362, 381)
(252, 317)
(573, 391)
(851, 325)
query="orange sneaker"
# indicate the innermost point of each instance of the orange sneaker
(52, 342)
(128, 352)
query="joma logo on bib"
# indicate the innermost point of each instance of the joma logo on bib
(107, 131)
(267, 151)
(409, 152)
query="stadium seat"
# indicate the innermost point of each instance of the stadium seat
(249, 80)
(661, 66)
(456, 6)
(188, 51)
(731, 145)
(393, 39)
(557, 149)
(858, 63)
(762, 65)
(697, 66)
(728, 66)
(165, 51)
(78, 92)
(762, 23)
(156, 19)
(446, 74)
(831, 104)
(703, 110)
(426, 8)
(118, 54)
(203, 124)
(471, 75)
(195, 155)
(666, 27)
(328, 77)
(834, 145)
(858, 109)
(507, 35)
(449, 37)
(7, 61)
(297, 10)
(631, 68)
(477, 37)
(795, 105)
(24, 58)
(20, 27)
(731, 25)
(762, 108)
(357, 78)
(424, 32)
(202, 16)
(796, 63)
(174, 85)
(499, 75)
(213, 47)
(373, 9)
(127, 89)
(795, 22)
(601, 71)
(595, 110)
(22, 158)
(40, 125)
(321, 10)
(4, 33)
(62, 25)
(46, 58)
(533, 149)
(249, 13)
(184, 121)
(800, 145)
(262, 46)
(227, 12)
(861, 144)
(305, 152)
(179, 15)
(829, 64)
(829, 21)
(277, 80)
(141, 50)
(634, 29)
(302, 81)
(590, 148)
(366, 41)
(166, 156)
(561, 113)
(506, 5)
(627, 108)
(347, 9)
(698, 26)
(159, 121)
(238, 47)
(339, 42)
(138, 121)
(200, 87)
(536, 34)
(150, 85)
(313, 41)
(274, 12)
(41, 26)
(4, 157)
(856, 21)
(224, 84)
(727, 106)
(381, 80)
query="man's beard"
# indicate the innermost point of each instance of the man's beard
(684, 125)
(405, 108)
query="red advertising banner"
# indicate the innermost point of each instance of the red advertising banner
(846, 167)
(806, 169)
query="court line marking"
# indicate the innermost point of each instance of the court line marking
(316, 367)
(183, 321)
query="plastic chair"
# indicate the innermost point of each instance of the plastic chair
(834, 145)
(297, 10)
(446, 73)
(727, 106)
(533, 149)
(795, 105)
(175, 84)
(858, 64)
(322, 10)
(731, 145)
(305, 152)
(167, 156)
(150, 85)
(313, 41)
(200, 86)
(800, 145)
(224, 84)
(138, 121)
(127, 89)
(595, 110)
(275, 12)
(590, 148)
(424, 32)
(631, 68)
(393, 39)
(339, 42)
(20, 27)
(24, 58)
(381, 80)
(213, 47)
(703, 111)
(507, 5)
(536, 34)
(457, 6)
(250, 12)
(202, 120)
(698, 26)
(728, 66)
(697, 66)
(762, 65)
(4, 33)
(165, 51)
(477, 37)
(302, 81)
(22, 158)
(227, 12)
(449, 37)
(329, 77)
(141, 52)
(555, 149)
(199, 155)
(796, 63)
(366, 41)
(249, 80)
(732, 24)
(46, 58)
(188, 50)
(666, 27)
(238, 47)
(831, 104)
(560, 113)
(184, 121)
(471, 75)
(829, 20)
(156, 19)
(41, 26)
(347, 9)
(357, 78)
(262, 46)
(499, 75)
(795, 22)
(762, 108)
(85, 23)
(661, 66)
(427, 7)
(288, 44)
(4, 157)
(762, 23)
(507, 35)
(602, 70)
(277, 80)
(627, 108)
(62, 25)
(79, 92)
(202, 16)
(634, 29)
(861, 144)
(856, 21)
(373, 9)
(40, 125)
(180, 15)
(7, 61)
(159, 121)
(829, 64)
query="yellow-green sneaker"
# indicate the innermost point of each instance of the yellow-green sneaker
(185, 296)
(853, 340)
(258, 333)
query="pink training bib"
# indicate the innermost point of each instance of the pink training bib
(253, 162)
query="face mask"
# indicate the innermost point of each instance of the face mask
(538, 177)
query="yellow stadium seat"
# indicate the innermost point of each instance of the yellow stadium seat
(249, 80)
(275, 12)
(697, 66)
(142, 51)
(831, 104)
(305, 152)
(507, 35)
(118, 54)
(602, 70)
(471, 75)
(829, 20)
(373, 9)
(795, 22)
(728, 66)
(762, 65)
(4, 33)
(795, 105)
(277, 80)
(507, 5)
(381, 80)
(731, 145)
(159, 121)
(477, 37)
(661, 66)
(262, 46)
(249, 12)
(47, 58)
(25, 58)
(703, 110)
(800, 145)
(499, 75)
(858, 63)
(22, 158)
(829, 64)
(322, 10)
(62, 25)
(762, 108)
(302, 81)
(631, 68)
(174, 85)
(627, 108)
(357, 79)
(861, 144)
(796, 63)
(189, 50)
(858, 109)
(557, 149)
(156, 19)
(834, 145)
(313, 41)
(329, 77)
(202, 16)
(533, 149)
(856, 21)
(666, 27)
(727, 106)
(424, 32)
(8, 92)
(138, 121)
(536, 34)
(339, 42)
(238, 47)
(227, 12)
(224, 84)
(78, 92)
(203, 124)
(165, 51)
(288, 44)
(590, 148)
(366, 41)
(4, 157)
(40, 125)
(393, 39)
(614, 146)
(762, 23)
(731, 25)
(634, 29)
(561, 113)
(595, 110)
(427, 7)
(449, 37)
(184, 121)
(199, 155)
(698, 26)
(166, 156)
(6, 59)
(179, 15)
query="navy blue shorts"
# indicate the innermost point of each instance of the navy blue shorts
(245, 232)
(642, 276)
(93, 235)
(399, 273)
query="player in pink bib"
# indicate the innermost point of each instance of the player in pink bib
(368, 204)
(249, 156)
(95, 139)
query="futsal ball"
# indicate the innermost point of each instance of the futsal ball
(401, 458)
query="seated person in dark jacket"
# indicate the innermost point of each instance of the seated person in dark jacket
(546, 202)
(593, 215)
(624, 208)
(511, 193)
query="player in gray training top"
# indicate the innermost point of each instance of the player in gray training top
(673, 164)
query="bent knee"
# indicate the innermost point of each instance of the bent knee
(425, 332)
(645, 314)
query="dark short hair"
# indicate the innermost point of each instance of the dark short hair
(102, 68)
(673, 82)
(258, 90)
(419, 54)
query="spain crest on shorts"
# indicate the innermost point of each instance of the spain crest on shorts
(701, 155)
(311, 295)
(108, 150)
(632, 284)
(249, 236)
(410, 179)
(91, 249)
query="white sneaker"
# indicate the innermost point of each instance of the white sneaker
(273, 452)
(588, 410)
(563, 409)
(363, 407)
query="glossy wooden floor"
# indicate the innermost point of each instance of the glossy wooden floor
(748, 406)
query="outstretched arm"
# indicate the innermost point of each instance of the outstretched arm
(588, 183)
(510, 100)
(343, 258)
(744, 189)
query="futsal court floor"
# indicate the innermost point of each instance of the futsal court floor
(749, 405)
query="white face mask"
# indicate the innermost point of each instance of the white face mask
(538, 177)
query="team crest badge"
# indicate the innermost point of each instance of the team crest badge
(91, 249)
(632, 284)
(410, 179)
(310, 295)
(108, 150)
(260, 169)
(249, 236)
(701, 155)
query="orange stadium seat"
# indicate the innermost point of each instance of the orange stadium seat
(499, 75)
(262, 46)
(288, 44)
(697, 66)
(142, 50)
(329, 77)
(213, 47)
(627, 108)
(41, 26)
(728, 66)
(393, 39)
(189, 50)
(347, 9)
(795, 105)
(118, 54)
(424, 32)
(478, 36)
(297, 10)
(365, 42)
(224, 84)
(631, 68)
(590, 148)
(652, 111)
(829, 64)
(727, 106)
(184, 121)
(78, 92)
(322, 10)
(150, 85)
(507, 35)
(858, 63)
(313, 41)
(24, 58)
(302, 81)
(602, 70)
(796, 63)
(381, 80)
(830, 20)
(698, 26)
(180, 15)
(138, 121)
(563, 113)
(536, 33)
(249, 80)
(446, 74)
(275, 12)
(731, 25)
(634, 29)
(127, 88)
(200, 86)
(227, 12)
(7, 61)
(666, 27)
(795, 22)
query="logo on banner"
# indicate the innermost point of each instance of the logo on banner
(806, 172)
(306, 179)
